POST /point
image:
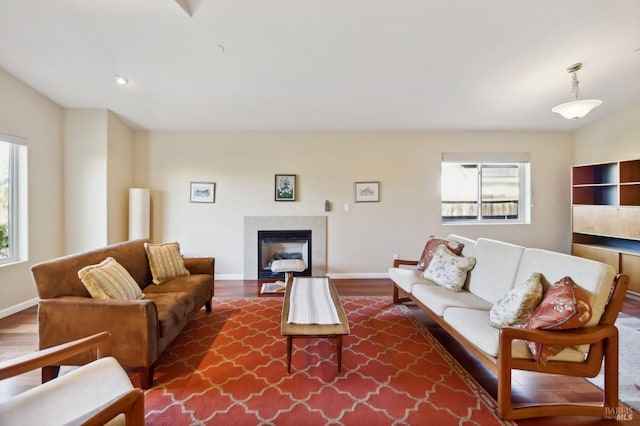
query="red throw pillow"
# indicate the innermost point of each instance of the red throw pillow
(432, 245)
(564, 306)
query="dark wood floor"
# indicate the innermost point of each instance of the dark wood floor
(18, 335)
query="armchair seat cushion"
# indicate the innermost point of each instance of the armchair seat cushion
(70, 396)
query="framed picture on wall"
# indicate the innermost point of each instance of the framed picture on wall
(203, 192)
(285, 188)
(367, 192)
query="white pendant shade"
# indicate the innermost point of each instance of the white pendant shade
(576, 109)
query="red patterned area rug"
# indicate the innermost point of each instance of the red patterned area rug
(229, 368)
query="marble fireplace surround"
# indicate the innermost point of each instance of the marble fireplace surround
(317, 225)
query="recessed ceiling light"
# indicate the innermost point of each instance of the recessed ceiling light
(121, 81)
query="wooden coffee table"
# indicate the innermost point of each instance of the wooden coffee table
(314, 330)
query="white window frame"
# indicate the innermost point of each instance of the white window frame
(521, 160)
(17, 200)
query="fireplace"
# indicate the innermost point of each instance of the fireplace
(283, 244)
(316, 224)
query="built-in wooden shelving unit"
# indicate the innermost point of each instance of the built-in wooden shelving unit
(606, 215)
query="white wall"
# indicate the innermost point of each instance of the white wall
(120, 167)
(25, 112)
(363, 241)
(85, 181)
(611, 138)
(99, 171)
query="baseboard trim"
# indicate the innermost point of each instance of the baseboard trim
(358, 276)
(231, 277)
(19, 307)
(337, 276)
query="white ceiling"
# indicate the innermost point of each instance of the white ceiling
(326, 64)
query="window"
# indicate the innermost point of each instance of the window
(493, 190)
(10, 158)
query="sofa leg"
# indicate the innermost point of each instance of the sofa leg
(207, 306)
(396, 296)
(146, 377)
(50, 372)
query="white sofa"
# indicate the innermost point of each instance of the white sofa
(499, 266)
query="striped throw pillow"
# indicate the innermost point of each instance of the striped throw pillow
(109, 280)
(165, 261)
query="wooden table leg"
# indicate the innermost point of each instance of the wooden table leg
(289, 341)
(339, 354)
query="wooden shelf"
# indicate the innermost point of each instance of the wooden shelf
(606, 216)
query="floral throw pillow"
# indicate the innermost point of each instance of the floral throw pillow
(430, 249)
(564, 306)
(448, 270)
(515, 307)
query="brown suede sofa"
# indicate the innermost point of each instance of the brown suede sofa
(141, 329)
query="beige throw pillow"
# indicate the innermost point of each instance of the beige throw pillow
(516, 306)
(165, 261)
(109, 280)
(448, 270)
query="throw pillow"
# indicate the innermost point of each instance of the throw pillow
(109, 280)
(516, 306)
(564, 306)
(448, 270)
(430, 249)
(165, 261)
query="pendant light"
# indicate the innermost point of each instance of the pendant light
(576, 107)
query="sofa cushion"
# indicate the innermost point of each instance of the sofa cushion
(495, 272)
(430, 250)
(109, 280)
(174, 308)
(564, 306)
(438, 299)
(515, 307)
(473, 324)
(448, 270)
(165, 261)
(594, 278)
(406, 278)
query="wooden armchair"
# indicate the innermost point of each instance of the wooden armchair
(92, 394)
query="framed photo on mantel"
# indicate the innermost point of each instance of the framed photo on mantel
(285, 188)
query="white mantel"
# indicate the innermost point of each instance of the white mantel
(317, 225)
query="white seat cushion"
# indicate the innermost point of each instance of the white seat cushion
(438, 299)
(474, 325)
(70, 396)
(406, 278)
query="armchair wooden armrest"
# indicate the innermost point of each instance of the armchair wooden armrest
(129, 401)
(398, 262)
(55, 355)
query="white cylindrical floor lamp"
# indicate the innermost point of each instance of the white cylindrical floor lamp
(139, 213)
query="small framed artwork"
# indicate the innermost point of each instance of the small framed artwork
(285, 189)
(203, 192)
(367, 192)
